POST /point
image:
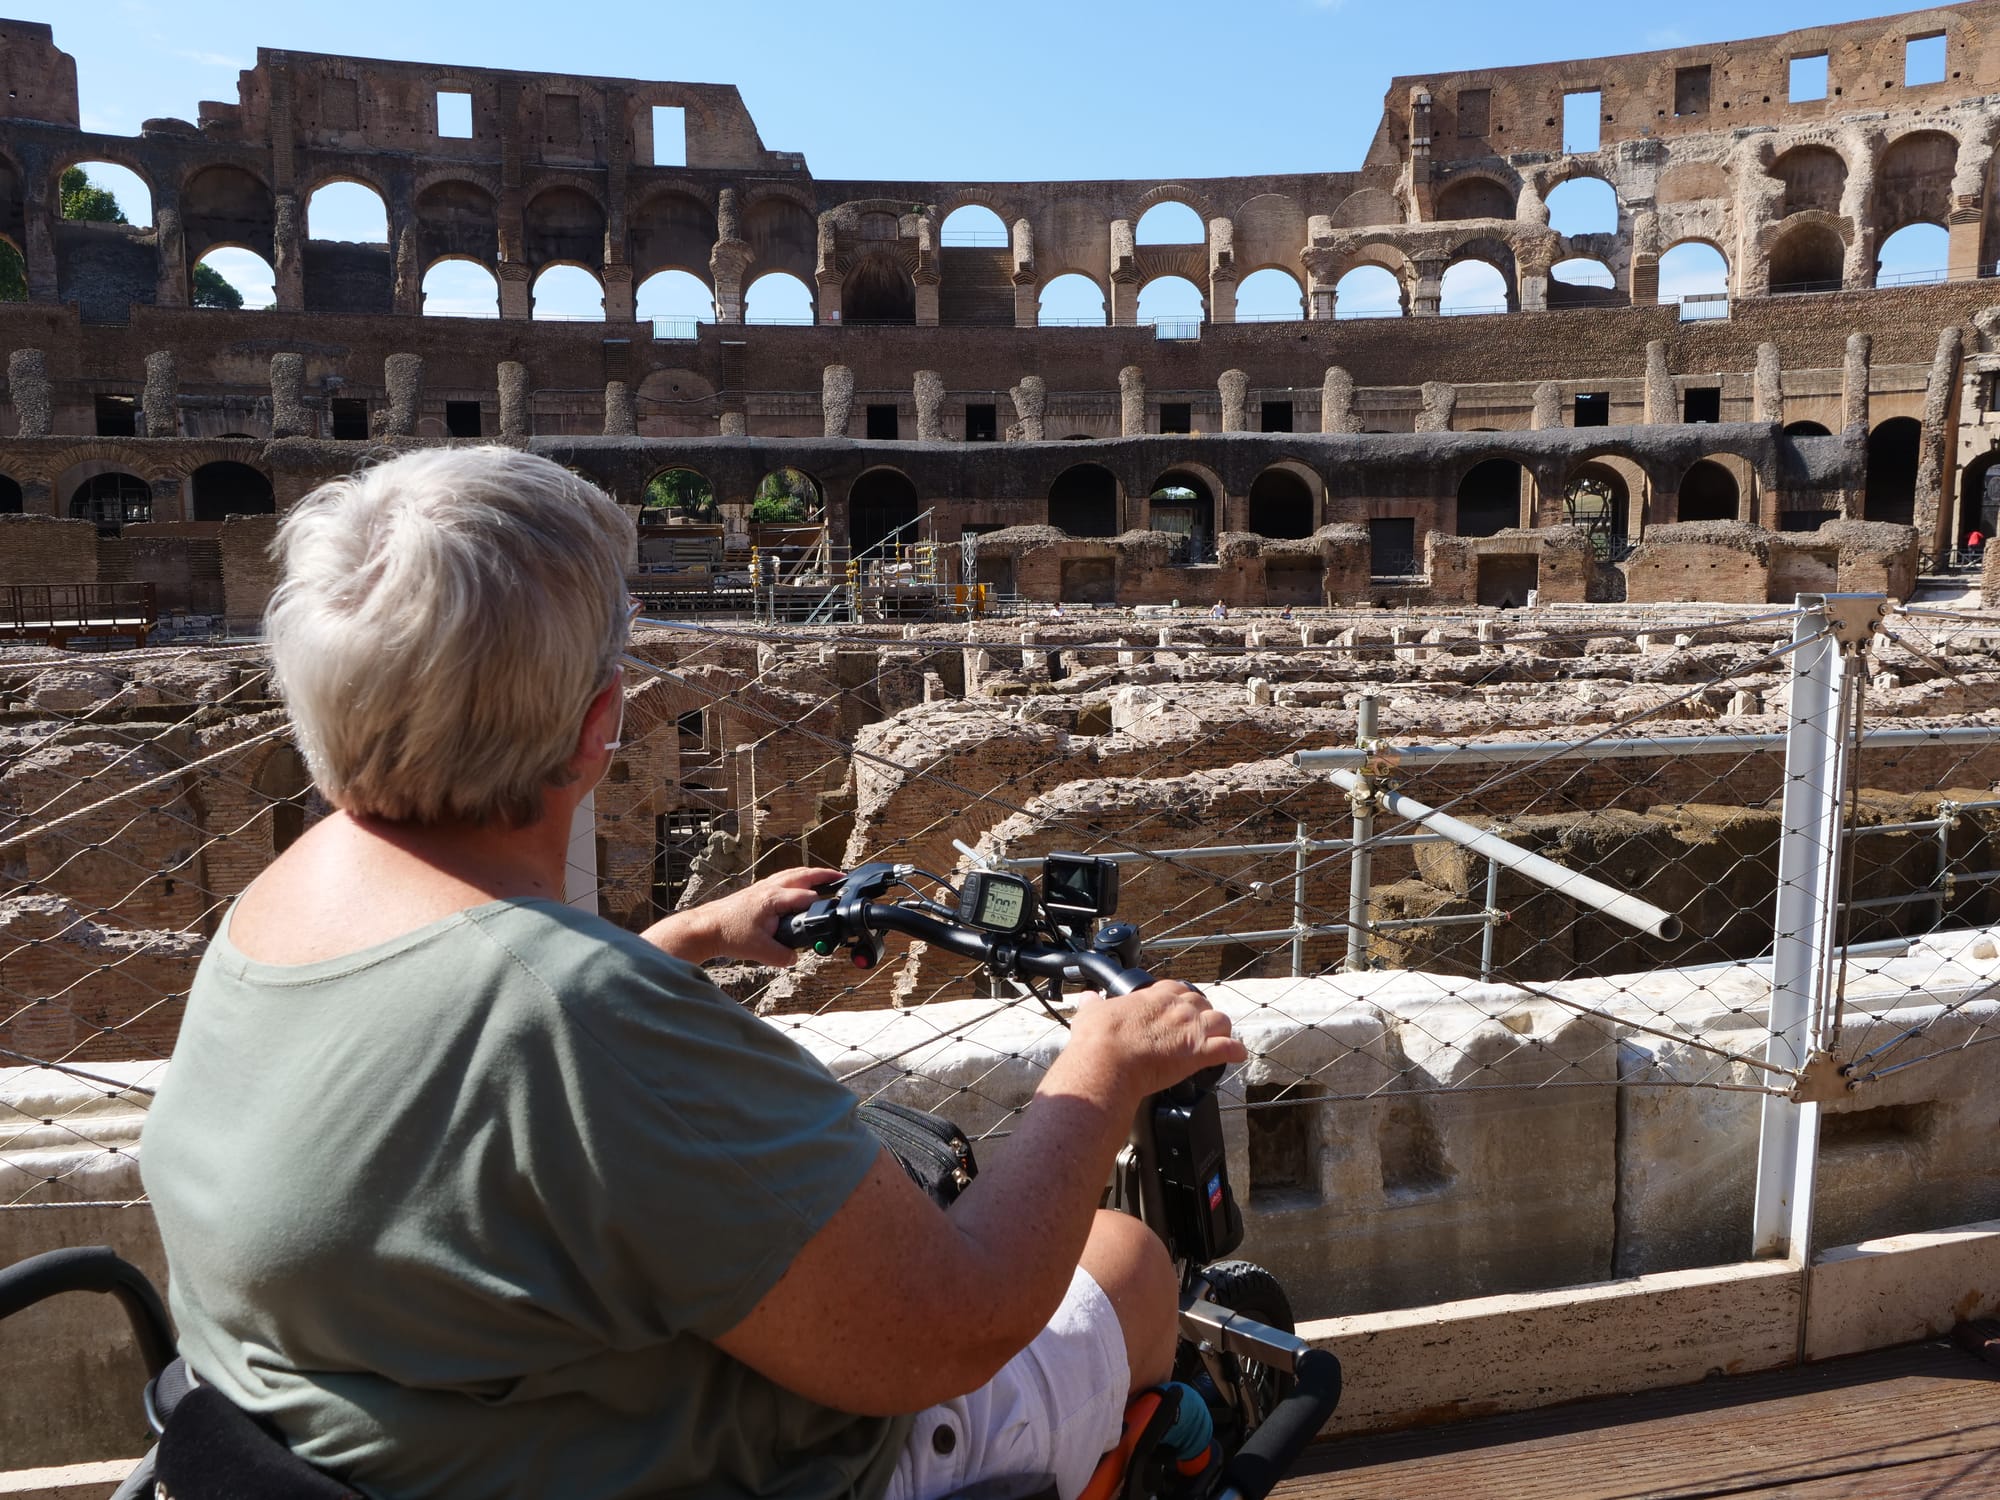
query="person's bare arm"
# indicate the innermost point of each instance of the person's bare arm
(740, 925)
(895, 1305)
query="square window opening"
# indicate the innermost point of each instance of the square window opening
(1923, 60)
(1593, 409)
(669, 135)
(1808, 78)
(117, 416)
(1583, 121)
(454, 112)
(1277, 416)
(982, 424)
(461, 419)
(350, 419)
(1691, 90)
(1177, 416)
(882, 423)
(1702, 403)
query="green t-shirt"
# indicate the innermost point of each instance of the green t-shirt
(463, 1211)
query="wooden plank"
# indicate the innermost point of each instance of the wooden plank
(1825, 1426)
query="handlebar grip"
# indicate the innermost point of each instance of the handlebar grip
(788, 931)
(1125, 981)
(1276, 1445)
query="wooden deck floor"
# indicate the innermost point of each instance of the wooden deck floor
(1894, 1425)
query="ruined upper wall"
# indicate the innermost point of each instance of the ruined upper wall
(38, 81)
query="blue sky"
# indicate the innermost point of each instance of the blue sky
(1034, 89)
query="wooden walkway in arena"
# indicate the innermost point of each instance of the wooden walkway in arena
(1923, 1420)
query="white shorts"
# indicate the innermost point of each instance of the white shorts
(1053, 1410)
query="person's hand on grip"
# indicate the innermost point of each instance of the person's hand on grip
(1153, 1038)
(742, 925)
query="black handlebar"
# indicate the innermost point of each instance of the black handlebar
(1277, 1443)
(93, 1268)
(831, 919)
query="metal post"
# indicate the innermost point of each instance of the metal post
(1300, 843)
(1805, 921)
(1492, 921)
(1360, 871)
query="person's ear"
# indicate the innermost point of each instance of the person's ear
(602, 722)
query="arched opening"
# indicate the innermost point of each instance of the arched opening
(1475, 198)
(112, 501)
(1369, 292)
(1582, 282)
(670, 231)
(102, 192)
(1708, 493)
(1892, 471)
(1806, 429)
(783, 235)
(973, 225)
(676, 299)
(1071, 300)
(1083, 501)
(461, 289)
(878, 290)
(1914, 254)
(284, 784)
(1696, 275)
(778, 297)
(1978, 500)
(1473, 286)
(1183, 504)
(882, 504)
(1281, 504)
(1808, 258)
(678, 495)
(1170, 224)
(787, 495)
(1584, 205)
(1815, 179)
(232, 277)
(567, 294)
(458, 221)
(563, 224)
(1913, 182)
(348, 212)
(1598, 501)
(230, 489)
(10, 495)
(1270, 296)
(1171, 300)
(227, 205)
(1489, 498)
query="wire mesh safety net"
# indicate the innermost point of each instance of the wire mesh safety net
(1554, 1068)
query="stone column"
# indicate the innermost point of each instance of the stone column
(1854, 378)
(732, 422)
(1131, 401)
(403, 375)
(288, 253)
(516, 291)
(836, 400)
(1933, 497)
(1968, 197)
(1768, 386)
(925, 278)
(621, 417)
(1124, 275)
(1862, 151)
(1662, 399)
(927, 391)
(618, 295)
(1027, 301)
(514, 400)
(1548, 407)
(170, 283)
(1336, 402)
(1031, 404)
(1532, 277)
(406, 285)
(1440, 402)
(1644, 276)
(826, 271)
(1234, 388)
(28, 390)
(1429, 294)
(289, 417)
(41, 212)
(161, 403)
(1221, 271)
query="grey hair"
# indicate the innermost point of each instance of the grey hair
(441, 625)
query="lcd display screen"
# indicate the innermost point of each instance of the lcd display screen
(1002, 904)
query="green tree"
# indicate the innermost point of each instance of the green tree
(211, 289)
(13, 274)
(683, 492)
(84, 199)
(785, 495)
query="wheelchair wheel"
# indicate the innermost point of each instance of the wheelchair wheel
(1247, 1289)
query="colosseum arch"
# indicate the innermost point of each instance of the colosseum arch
(1475, 197)
(344, 200)
(670, 230)
(1084, 501)
(1708, 492)
(878, 289)
(1284, 500)
(459, 286)
(1893, 451)
(457, 220)
(1808, 257)
(783, 235)
(1815, 179)
(1603, 496)
(880, 503)
(564, 224)
(227, 488)
(226, 205)
(1913, 182)
(1492, 496)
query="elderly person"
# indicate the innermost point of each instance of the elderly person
(471, 1194)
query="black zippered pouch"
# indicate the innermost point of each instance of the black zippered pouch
(935, 1152)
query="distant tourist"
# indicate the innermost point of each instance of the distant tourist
(1220, 612)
